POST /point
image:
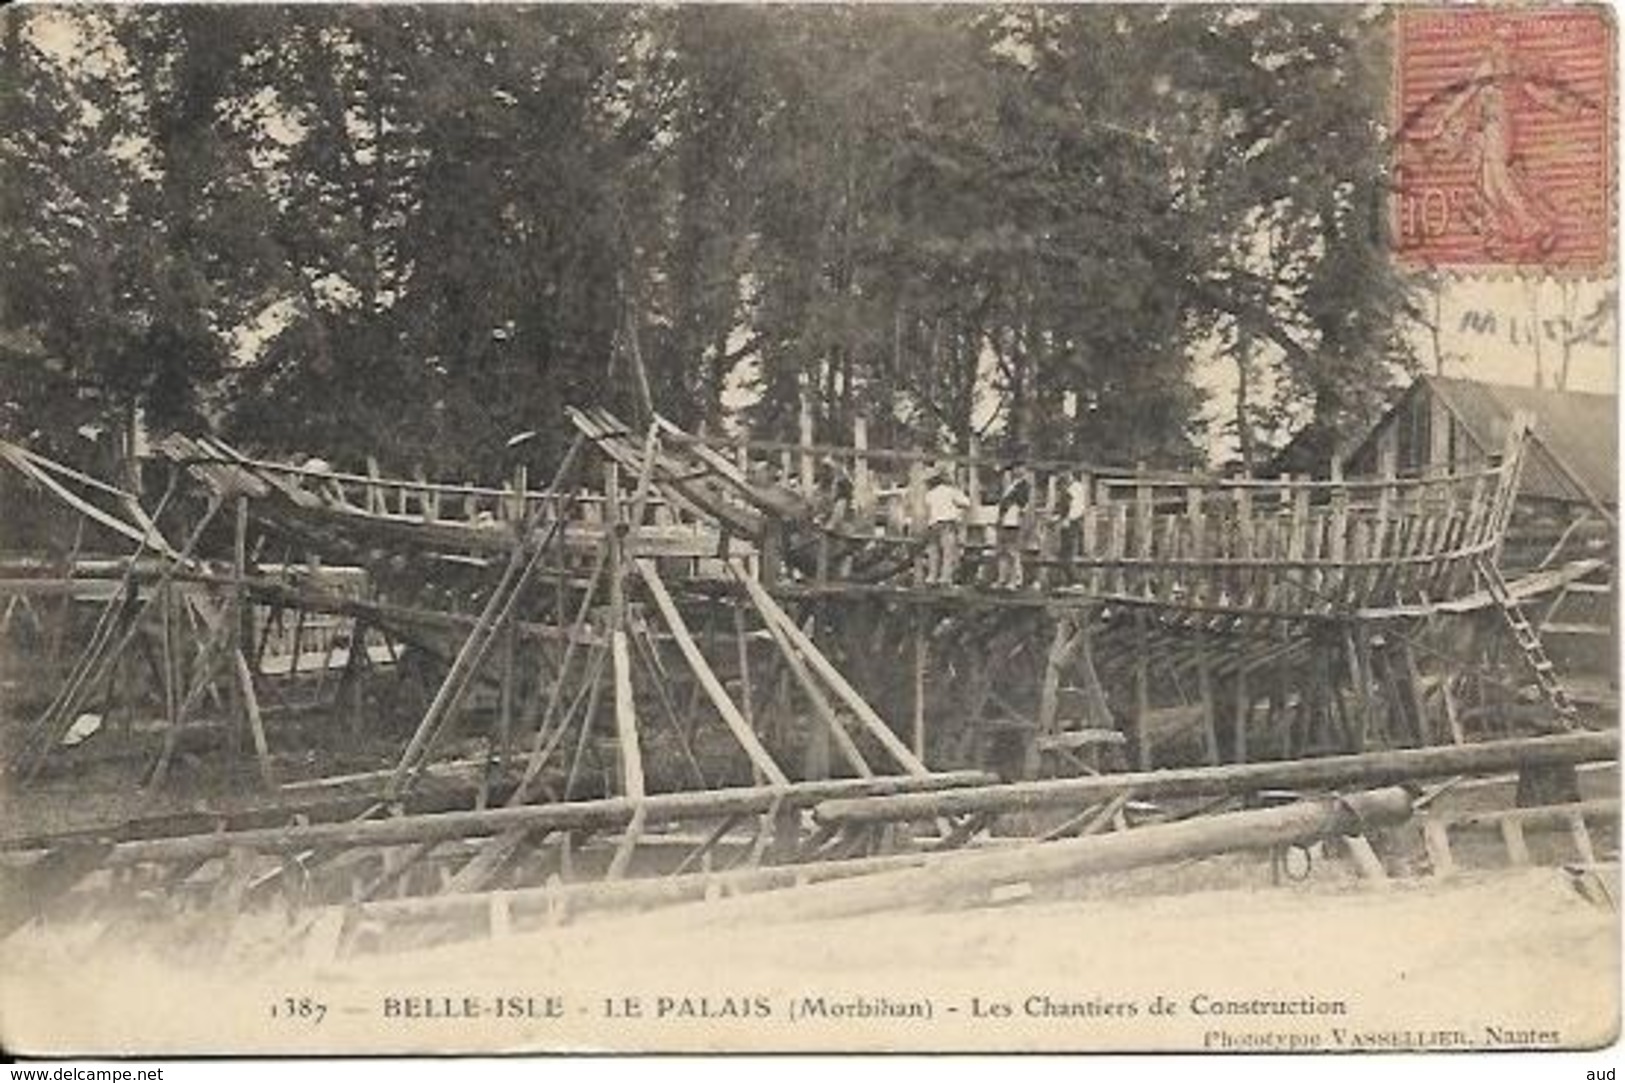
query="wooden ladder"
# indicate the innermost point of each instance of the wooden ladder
(1528, 640)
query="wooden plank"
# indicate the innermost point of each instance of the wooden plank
(84, 507)
(628, 844)
(1517, 847)
(1366, 859)
(1336, 584)
(1244, 710)
(1323, 772)
(1204, 686)
(1581, 837)
(708, 679)
(469, 658)
(482, 869)
(919, 685)
(746, 693)
(973, 877)
(1452, 712)
(1436, 837)
(1089, 528)
(1142, 695)
(805, 458)
(626, 721)
(831, 676)
(1050, 689)
(863, 488)
(597, 814)
(256, 724)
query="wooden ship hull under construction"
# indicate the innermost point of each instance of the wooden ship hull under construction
(684, 664)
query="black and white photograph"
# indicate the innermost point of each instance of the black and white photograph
(808, 528)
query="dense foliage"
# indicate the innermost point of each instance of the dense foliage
(418, 231)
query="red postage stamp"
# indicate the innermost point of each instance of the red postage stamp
(1503, 138)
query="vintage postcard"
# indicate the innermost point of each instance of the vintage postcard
(829, 528)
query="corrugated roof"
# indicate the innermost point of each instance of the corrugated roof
(1574, 427)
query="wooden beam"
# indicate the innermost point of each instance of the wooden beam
(1327, 772)
(1579, 483)
(1204, 689)
(602, 813)
(974, 878)
(256, 724)
(626, 719)
(815, 695)
(918, 637)
(1142, 695)
(708, 679)
(832, 676)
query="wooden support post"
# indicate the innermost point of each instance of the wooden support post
(1411, 679)
(469, 657)
(1144, 526)
(1204, 685)
(770, 557)
(785, 827)
(236, 610)
(1094, 694)
(746, 692)
(918, 629)
(1452, 713)
(1359, 668)
(1582, 838)
(251, 707)
(1366, 859)
(1142, 694)
(977, 877)
(1049, 693)
(1436, 837)
(1378, 550)
(708, 680)
(1244, 711)
(171, 660)
(1335, 586)
(863, 488)
(832, 676)
(628, 844)
(805, 459)
(1512, 836)
(817, 763)
(626, 724)
(1316, 773)
(508, 691)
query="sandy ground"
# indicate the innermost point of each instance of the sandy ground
(1492, 960)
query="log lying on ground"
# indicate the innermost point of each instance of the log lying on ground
(1325, 773)
(571, 815)
(550, 905)
(969, 879)
(444, 787)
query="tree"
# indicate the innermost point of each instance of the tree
(413, 232)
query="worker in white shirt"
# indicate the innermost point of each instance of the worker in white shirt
(1012, 522)
(945, 505)
(1075, 504)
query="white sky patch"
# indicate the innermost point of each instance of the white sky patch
(740, 391)
(986, 413)
(249, 339)
(1487, 332)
